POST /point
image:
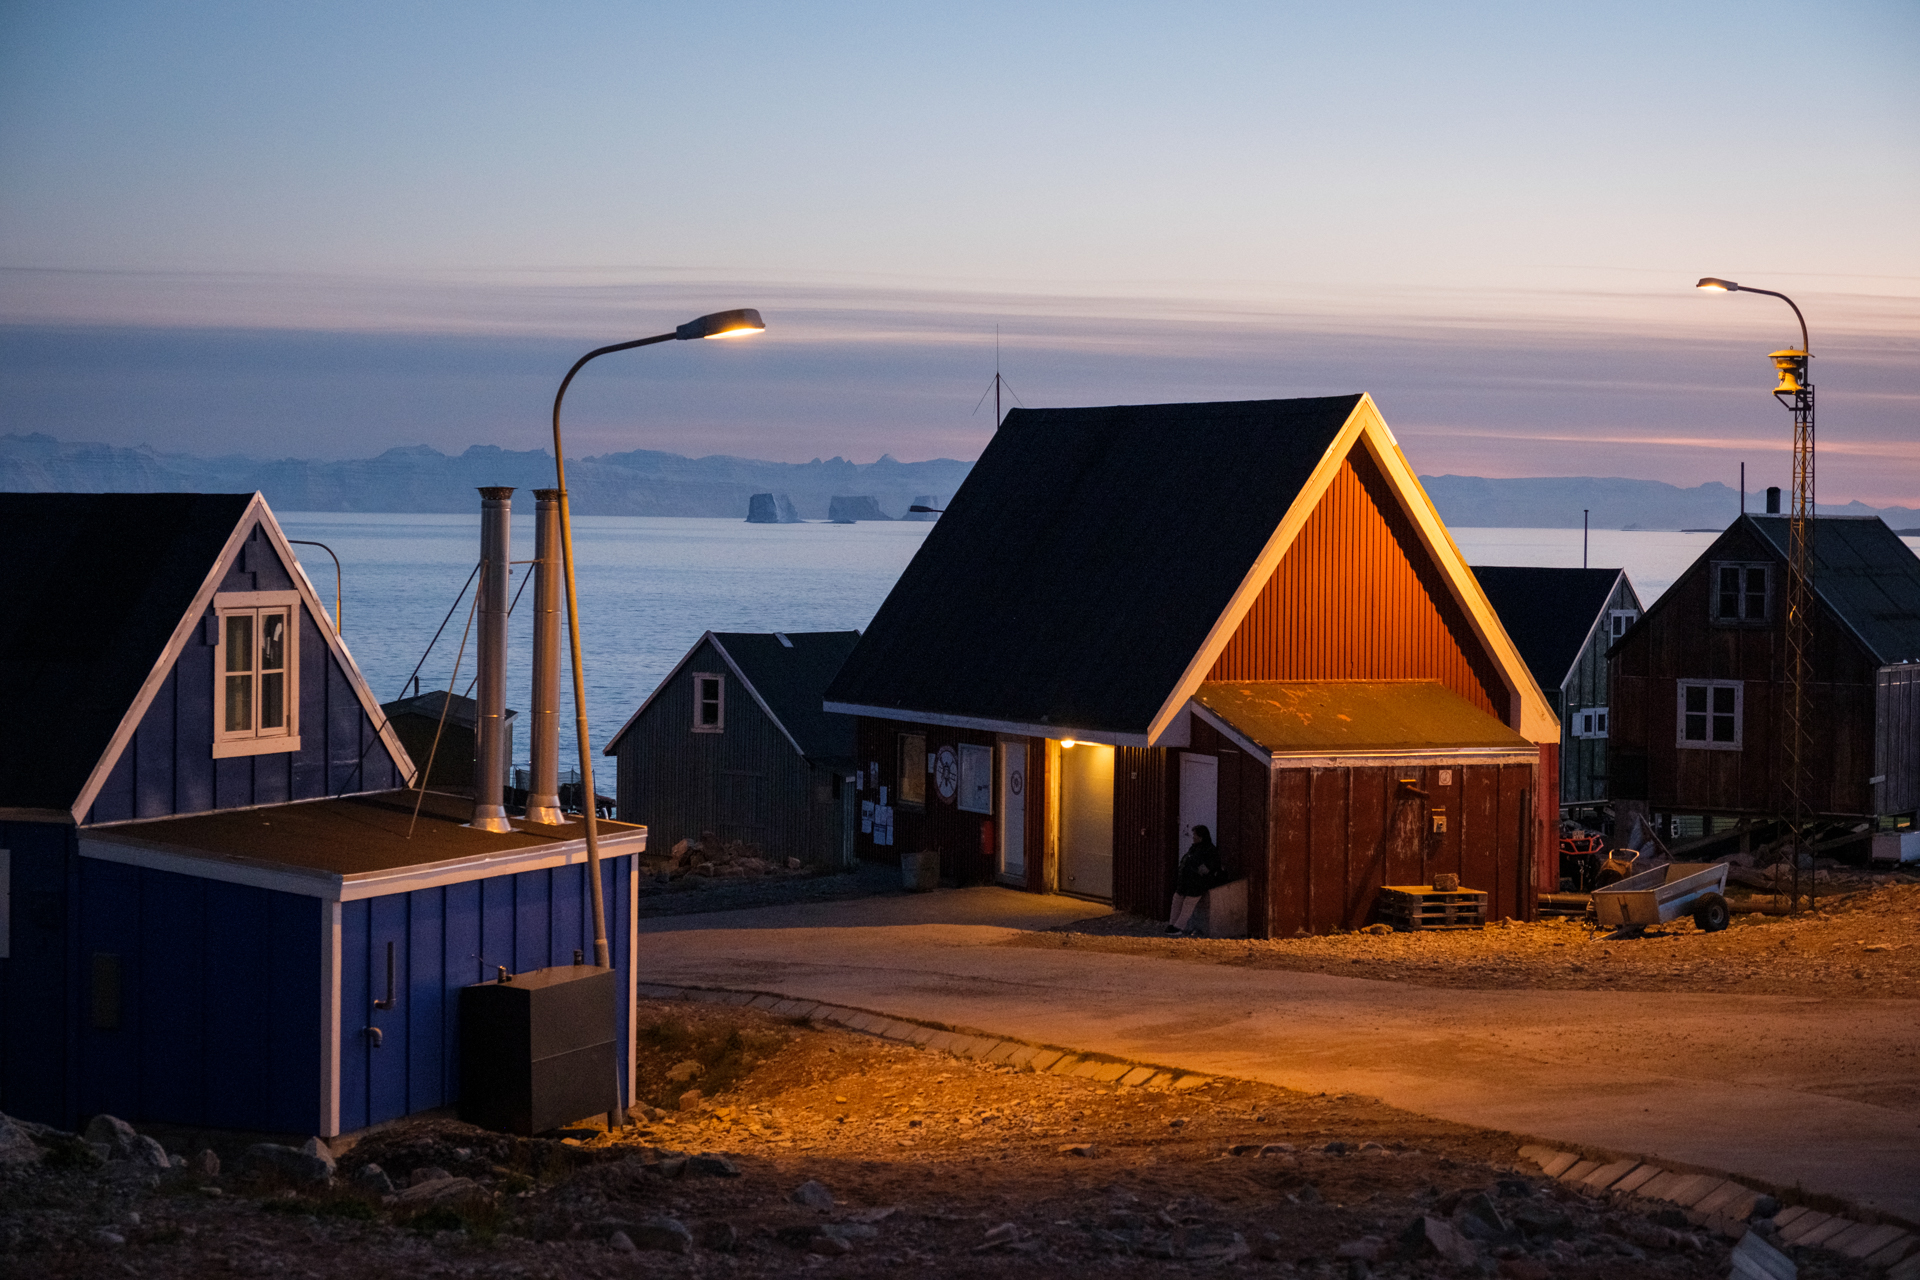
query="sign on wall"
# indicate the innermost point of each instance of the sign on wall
(976, 778)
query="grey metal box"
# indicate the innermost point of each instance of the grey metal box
(537, 1051)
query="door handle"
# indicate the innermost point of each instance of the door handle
(388, 1002)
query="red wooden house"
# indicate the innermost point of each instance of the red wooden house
(1134, 619)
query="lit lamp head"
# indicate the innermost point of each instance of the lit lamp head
(1714, 284)
(1793, 370)
(722, 324)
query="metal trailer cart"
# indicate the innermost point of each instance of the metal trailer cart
(1665, 894)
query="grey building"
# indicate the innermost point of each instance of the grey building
(1563, 621)
(734, 741)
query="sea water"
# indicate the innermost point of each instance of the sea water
(651, 586)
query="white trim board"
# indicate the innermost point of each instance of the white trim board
(1016, 728)
(1361, 759)
(331, 886)
(256, 513)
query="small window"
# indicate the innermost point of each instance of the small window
(913, 770)
(1742, 594)
(1709, 714)
(1590, 722)
(976, 778)
(709, 703)
(256, 688)
(1618, 620)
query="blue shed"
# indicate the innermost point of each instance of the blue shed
(216, 905)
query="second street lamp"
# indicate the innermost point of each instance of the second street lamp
(720, 324)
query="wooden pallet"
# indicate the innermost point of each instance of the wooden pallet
(1567, 906)
(1409, 907)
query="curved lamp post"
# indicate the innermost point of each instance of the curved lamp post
(1795, 391)
(721, 324)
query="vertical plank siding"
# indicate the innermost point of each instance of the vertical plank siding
(1356, 598)
(1896, 740)
(1676, 641)
(1146, 828)
(168, 768)
(1583, 761)
(966, 842)
(746, 783)
(35, 1027)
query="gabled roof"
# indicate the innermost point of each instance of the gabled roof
(1548, 613)
(1346, 718)
(460, 710)
(102, 592)
(1097, 561)
(1865, 574)
(786, 673)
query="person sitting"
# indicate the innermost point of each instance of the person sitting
(1200, 870)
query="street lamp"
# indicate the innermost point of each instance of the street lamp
(1795, 391)
(721, 324)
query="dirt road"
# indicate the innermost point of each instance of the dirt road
(1799, 1089)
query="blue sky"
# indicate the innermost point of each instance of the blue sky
(293, 229)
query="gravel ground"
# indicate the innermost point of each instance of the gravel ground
(1860, 944)
(695, 894)
(817, 1148)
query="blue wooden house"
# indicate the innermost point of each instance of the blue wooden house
(217, 906)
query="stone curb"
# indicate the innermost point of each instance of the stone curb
(1042, 1059)
(1724, 1206)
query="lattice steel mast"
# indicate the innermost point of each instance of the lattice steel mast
(1795, 391)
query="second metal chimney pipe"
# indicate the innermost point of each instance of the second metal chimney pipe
(543, 788)
(490, 712)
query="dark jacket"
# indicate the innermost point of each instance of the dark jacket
(1200, 869)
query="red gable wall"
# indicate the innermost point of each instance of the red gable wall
(1357, 598)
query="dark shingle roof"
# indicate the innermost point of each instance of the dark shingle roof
(1080, 567)
(94, 585)
(1548, 613)
(1866, 575)
(1341, 717)
(793, 682)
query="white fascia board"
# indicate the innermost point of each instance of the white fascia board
(1533, 718)
(758, 701)
(1227, 731)
(58, 817)
(257, 512)
(332, 886)
(1411, 759)
(1013, 728)
(1599, 624)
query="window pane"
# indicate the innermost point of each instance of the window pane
(709, 701)
(239, 642)
(273, 700)
(273, 641)
(1696, 728)
(1729, 593)
(1757, 593)
(1723, 728)
(240, 702)
(1723, 700)
(1696, 699)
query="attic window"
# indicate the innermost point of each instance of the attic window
(256, 662)
(1618, 620)
(709, 702)
(1740, 594)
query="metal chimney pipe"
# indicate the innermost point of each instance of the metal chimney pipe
(490, 713)
(543, 788)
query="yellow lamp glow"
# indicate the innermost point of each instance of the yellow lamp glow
(1714, 284)
(1069, 742)
(722, 324)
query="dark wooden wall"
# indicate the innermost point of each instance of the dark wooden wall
(35, 1083)
(168, 766)
(746, 783)
(966, 842)
(1583, 761)
(1896, 743)
(1357, 598)
(1675, 641)
(1340, 833)
(1146, 819)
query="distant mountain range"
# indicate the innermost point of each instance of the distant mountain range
(650, 483)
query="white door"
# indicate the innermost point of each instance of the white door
(1086, 820)
(1199, 796)
(1013, 807)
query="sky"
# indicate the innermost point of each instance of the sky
(288, 229)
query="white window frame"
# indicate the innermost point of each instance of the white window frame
(255, 741)
(1745, 567)
(1591, 722)
(976, 778)
(1618, 620)
(699, 702)
(1680, 738)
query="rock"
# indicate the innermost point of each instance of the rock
(17, 1146)
(663, 1235)
(1335, 1148)
(149, 1153)
(1378, 929)
(691, 1100)
(116, 1133)
(1524, 1269)
(427, 1173)
(1366, 1248)
(1763, 1208)
(1479, 1218)
(107, 1239)
(794, 864)
(296, 1165)
(1433, 1237)
(681, 1072)
(371, 1177)
(1243, 1149)
(812, 1195)
(438, 1190)
(1086, 1150)
(712, 1166)
(1276, 1149)
(1269, 1247)
(829, 1246)
(721, 1237)
(621, 1241)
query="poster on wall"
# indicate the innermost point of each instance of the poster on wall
(976, 778)
(946, 774)
(883, 824)
(866, 817)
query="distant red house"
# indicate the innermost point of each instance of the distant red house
(1247, 614)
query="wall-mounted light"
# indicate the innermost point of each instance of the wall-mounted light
(1069, 742)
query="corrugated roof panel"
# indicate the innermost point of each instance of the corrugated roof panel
(1866, 575)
